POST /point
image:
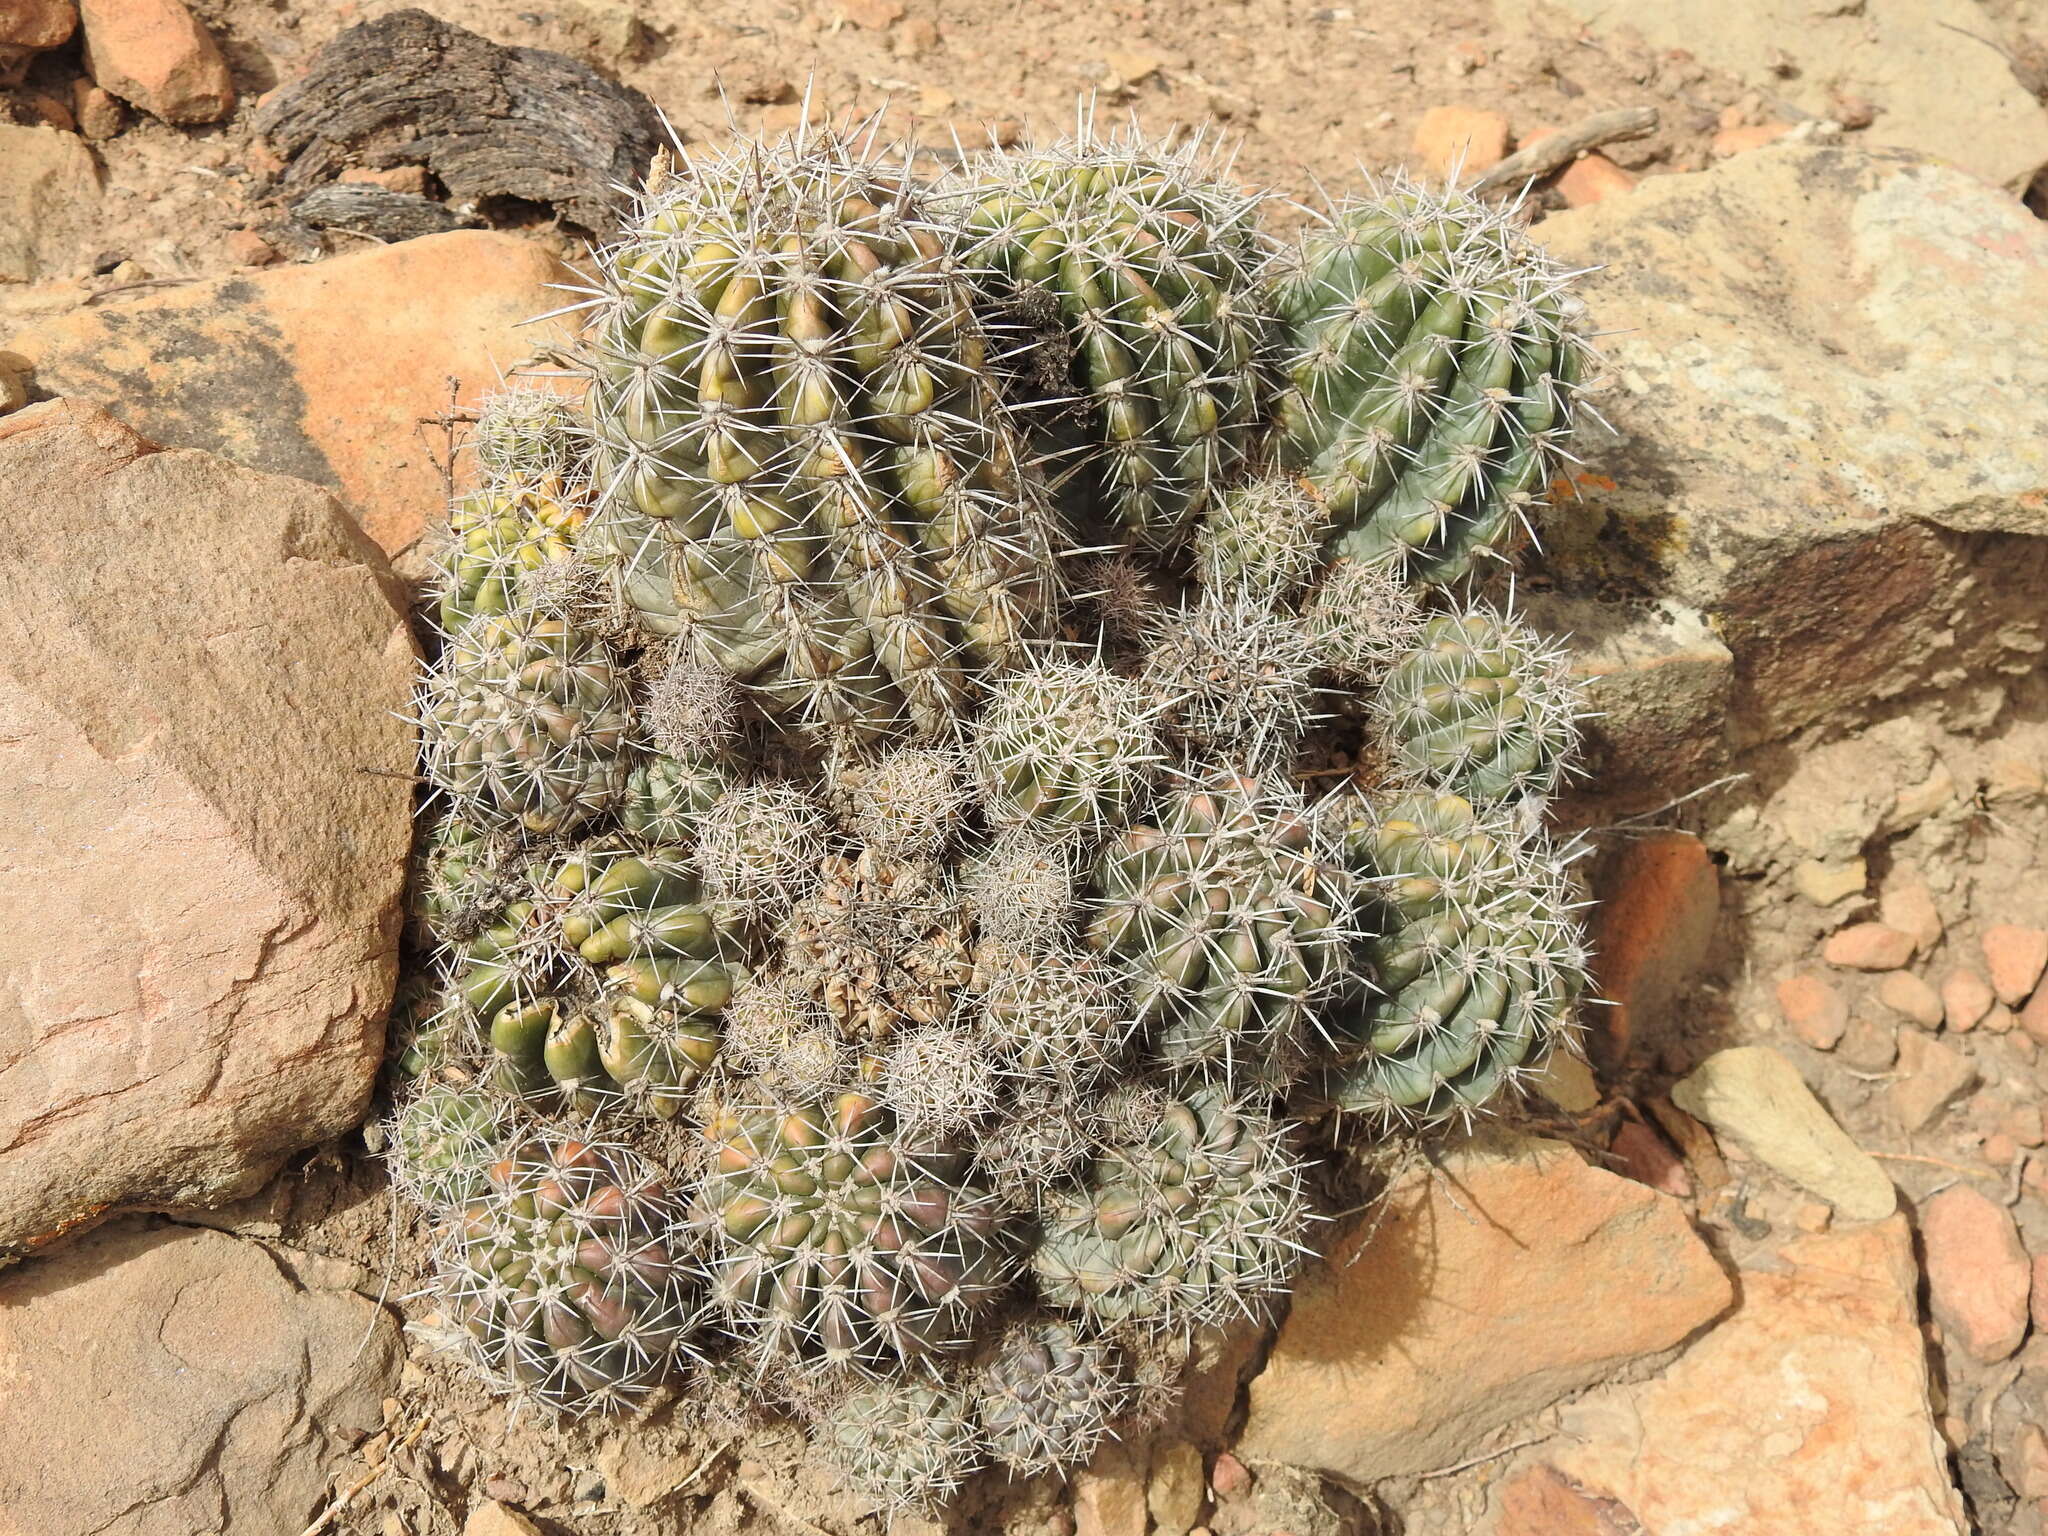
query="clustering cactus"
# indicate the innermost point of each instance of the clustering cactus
(1431, 376)
(935, 972)
(1197, 1216)
(759, 846)
(666, 797)
(1049, 1397)
(882, 944)
(1233, 925)
(912, 1444)
(805, 465)
(527, 723)
(1361, 620)
(1263, 539)
(1065, 748)
(839, 1239)
(1051, 1015)
(444, 1141)
(1482, 707)
(500, 538)
(1475, 966)
(1233, 678)
(1141, 257)
(568, 1276)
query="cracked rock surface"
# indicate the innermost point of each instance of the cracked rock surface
(187, 1383)
(202, 862)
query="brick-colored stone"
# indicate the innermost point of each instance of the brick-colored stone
(1472, 1296)
(1469, 141)
(1660, 898)
(1907, 904)
(1965, 998)
(1868, 947)
(1813, 1010)
(1747, 136)
(1911, 998)
(205, 752)
(1978, 1274)
(1931, 1076)
(154, 54)
(2015, 957)
(1592, 178)
(335, 363)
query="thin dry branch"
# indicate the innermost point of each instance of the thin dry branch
(1556, 149)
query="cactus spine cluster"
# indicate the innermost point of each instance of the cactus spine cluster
(917, 874)
(1233, 924)
(1050, 1397)
(1196, 1214)
(839, 1238)
(1476, 964)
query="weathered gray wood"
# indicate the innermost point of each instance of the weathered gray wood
(409, 89)
(365, 209)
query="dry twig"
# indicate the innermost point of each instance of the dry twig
(1535, 161)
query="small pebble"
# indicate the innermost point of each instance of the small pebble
(1910, 997)
(1932, 1075)
(1908, 905)
(2016, 957)
(1471, 140)
(98, 111)
(1594, 178)
(250, 249)
(2023, 1125)
(1868, 947)
(1869, 1044)
(2034, 1017)
(1735, 141)
(1978, 1274)
(1965, 998)
(1228, 1476)
(1813, 1010)
(1824, 884)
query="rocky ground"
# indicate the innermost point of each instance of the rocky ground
(1777, 1261)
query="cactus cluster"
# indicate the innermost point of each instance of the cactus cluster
(916, 874)
(1475, 959)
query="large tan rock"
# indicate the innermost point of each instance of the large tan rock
(167, 1381)
(1832, 417)
(202, 670)
(322, 371)
(1515, 1276)
(49, 191)
(1805, 1411)
(1929, 69)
